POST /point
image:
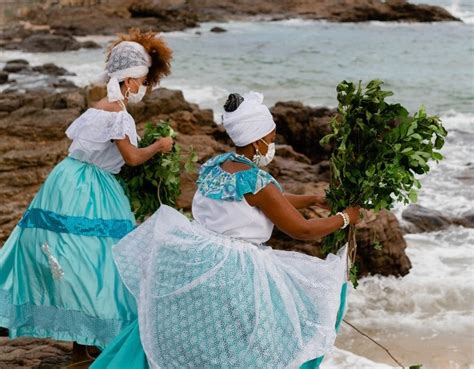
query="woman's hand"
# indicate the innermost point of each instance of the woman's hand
(354, 214)
(136, 156)
(320, 201)
(164, 145)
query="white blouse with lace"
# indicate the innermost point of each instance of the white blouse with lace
(92, 136)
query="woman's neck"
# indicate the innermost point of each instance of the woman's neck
(245, 151)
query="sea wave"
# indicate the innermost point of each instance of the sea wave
(461, 12)
(341, 359)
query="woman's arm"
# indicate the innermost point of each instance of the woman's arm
(135, 156)
(303, 201)
(284, 215)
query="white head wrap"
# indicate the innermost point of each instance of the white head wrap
(127, 59)
(250, 122)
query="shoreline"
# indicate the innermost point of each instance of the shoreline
(177, 15)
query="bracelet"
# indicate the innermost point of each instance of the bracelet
(345, 217)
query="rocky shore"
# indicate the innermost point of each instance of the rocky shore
(51, 26)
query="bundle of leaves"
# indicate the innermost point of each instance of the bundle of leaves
(379, 151)
(157, 181)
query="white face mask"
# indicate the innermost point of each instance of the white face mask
(264, 160)
(138, 96)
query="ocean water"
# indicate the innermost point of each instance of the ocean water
(427, 316)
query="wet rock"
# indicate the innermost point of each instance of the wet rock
(63, 84)
(52, 69)
(16, 66)
(90, 45)
(218, 30)
(3, 77)
(49, 43)
(424, 219)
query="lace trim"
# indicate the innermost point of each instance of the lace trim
(53, 322)
(217, 184)
(39, 218)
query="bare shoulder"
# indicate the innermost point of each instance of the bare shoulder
(105, 105)
(234, 167)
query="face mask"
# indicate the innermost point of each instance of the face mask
(263, 161)
(138, 96)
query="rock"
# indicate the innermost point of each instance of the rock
(164, 101)
(218, 30)
(22, 353)
(421, 219)
(16, 66)
(63, 84)
(8, 104)
(49, 43)
(302, 127)
(90, 45)
(424, 219)
(395, 10)
(391, 259)
(466, 220)
(52, 69)
(286, 151)
(3, 77)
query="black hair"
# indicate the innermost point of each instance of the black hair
(233, 102)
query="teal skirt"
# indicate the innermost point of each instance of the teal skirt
(58, 278)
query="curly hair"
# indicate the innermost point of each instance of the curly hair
(155, 46)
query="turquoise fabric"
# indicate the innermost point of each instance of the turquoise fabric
(314, 364)
(89, 304)
(125, 351)
(39, 218)
(215, 183)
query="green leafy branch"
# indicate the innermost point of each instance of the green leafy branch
(157, 181)
(379, 151)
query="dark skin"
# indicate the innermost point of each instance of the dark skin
(281, 208)
(132, 156)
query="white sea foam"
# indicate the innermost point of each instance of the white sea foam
(341, 359)
(461, 12)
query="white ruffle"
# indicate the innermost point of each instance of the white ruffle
(102, 126)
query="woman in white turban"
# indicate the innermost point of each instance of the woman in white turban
(210, 293)
(58, 278)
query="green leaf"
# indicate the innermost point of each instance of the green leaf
(413, 195)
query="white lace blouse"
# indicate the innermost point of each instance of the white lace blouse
(92, 136)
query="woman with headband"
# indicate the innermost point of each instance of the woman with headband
(58, 278)
(211, 293)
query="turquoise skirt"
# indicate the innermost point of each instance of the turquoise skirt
(58, 278)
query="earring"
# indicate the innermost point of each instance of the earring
(127, 93)
(257, 157)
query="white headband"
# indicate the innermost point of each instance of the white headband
(127, 59)
(250, 122)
